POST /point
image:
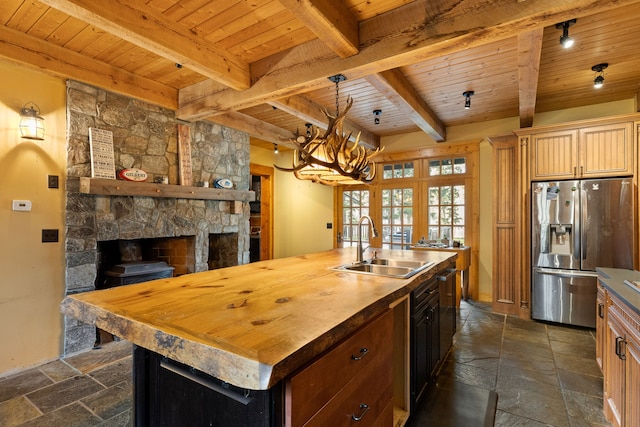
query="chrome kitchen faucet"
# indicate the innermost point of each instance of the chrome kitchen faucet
(374, 233)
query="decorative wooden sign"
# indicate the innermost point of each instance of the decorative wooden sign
(184, 154)
(101, 146)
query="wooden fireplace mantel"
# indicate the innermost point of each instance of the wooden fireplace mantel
(114, 187)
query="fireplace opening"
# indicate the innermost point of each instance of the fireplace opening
(223, 250)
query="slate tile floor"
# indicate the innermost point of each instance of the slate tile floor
(544, 375)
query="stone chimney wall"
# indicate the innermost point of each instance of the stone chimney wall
(145, 137)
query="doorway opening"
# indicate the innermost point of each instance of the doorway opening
(261, 219)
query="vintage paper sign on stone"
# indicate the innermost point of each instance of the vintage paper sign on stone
(101, 145)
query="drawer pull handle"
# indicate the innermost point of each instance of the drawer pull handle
(363, 352)
(619, 353)
(601, 310)
(364, 408)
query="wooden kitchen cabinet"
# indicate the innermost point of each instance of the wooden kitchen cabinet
(353, 380)
(587, 152)
(621, 364)
(601, 324)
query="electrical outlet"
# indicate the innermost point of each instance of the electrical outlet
(50, 235)
(52, 181)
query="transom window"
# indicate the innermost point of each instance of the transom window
(454, 166)
(398, 170)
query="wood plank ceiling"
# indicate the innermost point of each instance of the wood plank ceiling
(262, 66)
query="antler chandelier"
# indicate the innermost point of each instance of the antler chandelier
(331, 159)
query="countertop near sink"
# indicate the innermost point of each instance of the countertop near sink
(254, 324)
(613, 279)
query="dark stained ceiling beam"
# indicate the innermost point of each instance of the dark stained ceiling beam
(330, 21)
(141, 25)
(529, 51)
(400, 37)
(397, 89)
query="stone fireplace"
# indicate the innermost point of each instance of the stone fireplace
(214, 233)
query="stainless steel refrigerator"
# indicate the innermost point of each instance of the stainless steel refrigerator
(577, 226)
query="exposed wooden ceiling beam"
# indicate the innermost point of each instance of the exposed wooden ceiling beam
(255, 128)
(401, 37)
(150, 30)
(41, 55)
(330, 21)
(529, 51)
(311, 112)
(397, 89)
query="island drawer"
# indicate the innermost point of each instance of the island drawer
(310, 389)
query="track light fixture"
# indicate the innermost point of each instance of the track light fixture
(467, 99)
(598, 82)
(376, 116)
(565, 40)
(275, 148)
(309, 128)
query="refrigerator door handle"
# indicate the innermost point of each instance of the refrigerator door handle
(566, 273)
(583, 222)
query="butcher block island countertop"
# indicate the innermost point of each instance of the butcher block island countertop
(251, 325)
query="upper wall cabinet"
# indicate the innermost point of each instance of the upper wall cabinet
(586, 152)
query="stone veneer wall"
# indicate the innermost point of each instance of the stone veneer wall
(145, 137)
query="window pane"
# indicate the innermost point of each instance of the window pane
(434, 215)
(386, 198)
(445, 233)
(445, 195)
(365, 198)
(447, 167)
(407, 215)
(408, 197)
(434, 232)
(408, 170)
(445, 215)
(346, 216)
(458, 194)
(397, 170)
(346, 199)
(386, 234)
(397, 216)
(387, 172)
(434, 195)
(458, 215)
(459, 165)
(458, 233)
(434, 167)
(386, 216)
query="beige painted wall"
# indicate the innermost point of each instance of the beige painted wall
(32, 284)
(301, 209)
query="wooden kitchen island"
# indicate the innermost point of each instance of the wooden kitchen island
(268, 343)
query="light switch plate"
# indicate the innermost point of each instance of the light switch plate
(21, 205)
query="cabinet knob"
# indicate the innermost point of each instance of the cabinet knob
(363, 411)
(363, 352)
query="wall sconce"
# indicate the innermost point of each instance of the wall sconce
(275, 148)
(31, 123)
(565, 40)
(467, 99)
(598, 82)
(376, 115)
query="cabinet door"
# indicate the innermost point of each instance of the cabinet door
(614, 382)
(601, 324)
(606, 150)
(554, 155)
(632, 376)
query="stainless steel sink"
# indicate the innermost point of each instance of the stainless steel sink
(399, 268)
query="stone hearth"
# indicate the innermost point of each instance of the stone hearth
(145, 137)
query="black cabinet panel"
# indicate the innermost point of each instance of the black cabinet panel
(169, 394)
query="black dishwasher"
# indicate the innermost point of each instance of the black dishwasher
(425, 338)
